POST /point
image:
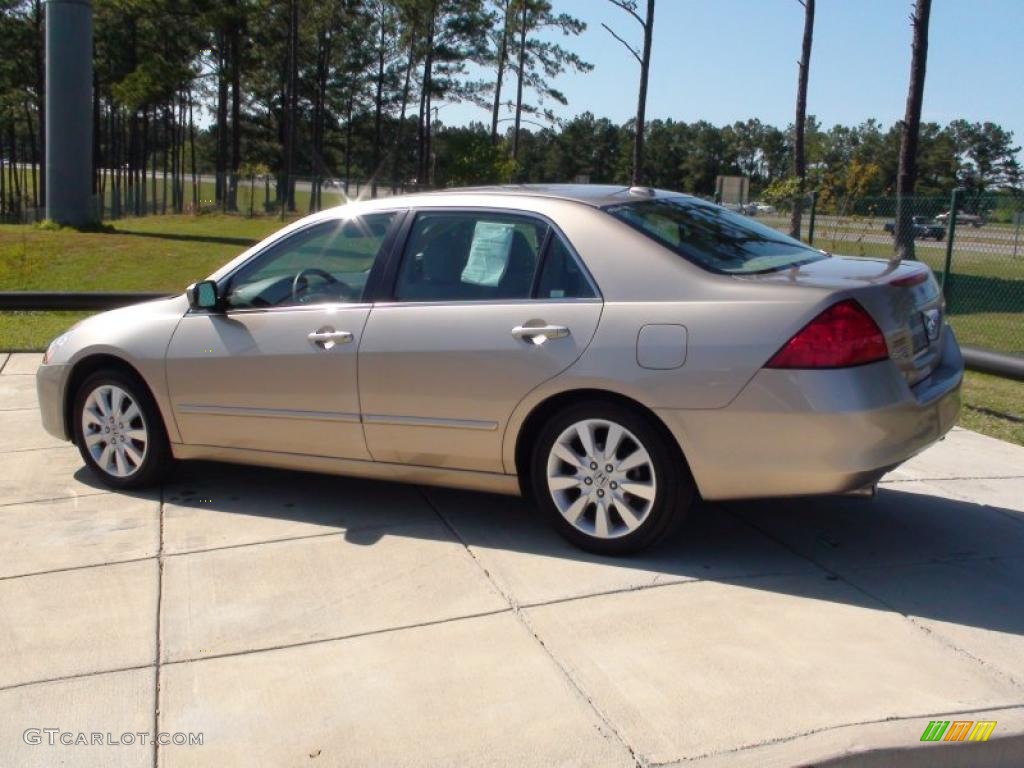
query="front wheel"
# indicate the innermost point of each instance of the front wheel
(119, 432)
(608, 479)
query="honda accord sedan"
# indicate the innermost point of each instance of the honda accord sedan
(611, 353)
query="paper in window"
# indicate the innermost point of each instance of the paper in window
(488, 254)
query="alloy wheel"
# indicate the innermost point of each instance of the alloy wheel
(114, 431)
(601, 478)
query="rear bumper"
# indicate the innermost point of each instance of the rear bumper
(50, 383)
(795, 433)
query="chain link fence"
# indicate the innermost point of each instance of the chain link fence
(243, 194)
(978, 254)
(121, 195)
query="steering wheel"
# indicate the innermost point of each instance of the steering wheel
(301, 282)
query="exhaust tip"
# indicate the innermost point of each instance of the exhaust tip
(868, 492)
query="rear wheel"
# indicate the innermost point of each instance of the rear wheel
(119, 432)
(608, 479)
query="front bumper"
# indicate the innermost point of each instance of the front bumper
(797, 433)
(51, 381)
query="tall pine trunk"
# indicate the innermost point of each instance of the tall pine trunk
(172, 119)
(114, 151)
(378, 111)
(98, 165)
(192, 155)
(799, 152)
(144, 160)
(502, 57)
(40, 67)
(15, 179)
(221, 159)
(32, 153)
(400, 130)
(167, 152)
(236, 109)
(319, 119)
(910, 132)
(289, 148)
(520, 81)
(641, 105)
(423, 130)
(348, 142)
(3, 180)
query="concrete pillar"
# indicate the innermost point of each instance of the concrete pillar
(69, 112)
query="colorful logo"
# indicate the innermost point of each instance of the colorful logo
(958, 730)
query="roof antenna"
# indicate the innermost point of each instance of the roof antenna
(642, 191)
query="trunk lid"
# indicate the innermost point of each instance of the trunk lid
(903, 298)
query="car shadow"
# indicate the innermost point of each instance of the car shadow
(925, 556)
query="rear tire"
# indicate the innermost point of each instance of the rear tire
(119, 431)
(608, 479)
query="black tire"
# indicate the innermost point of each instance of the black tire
(675, 490)
(156, 458)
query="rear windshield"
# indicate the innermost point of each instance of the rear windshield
(714, 238)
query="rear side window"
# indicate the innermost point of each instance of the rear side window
(470, 257)
(562, 277)
(714, 238)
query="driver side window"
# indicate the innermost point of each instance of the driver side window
(328, 263)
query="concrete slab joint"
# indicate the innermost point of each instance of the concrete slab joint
(323, 620)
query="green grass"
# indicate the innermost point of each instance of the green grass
(993, 406)
(33, 331)
(158, 253)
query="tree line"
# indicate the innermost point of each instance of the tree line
(355, 90)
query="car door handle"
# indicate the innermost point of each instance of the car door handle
(326, 339)
(538, 334)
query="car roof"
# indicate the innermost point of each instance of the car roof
(595, 195)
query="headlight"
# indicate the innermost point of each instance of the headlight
(56, 344)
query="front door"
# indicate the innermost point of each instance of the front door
(486, 306)
(276, 369)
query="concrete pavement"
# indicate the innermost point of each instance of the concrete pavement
(296, 619)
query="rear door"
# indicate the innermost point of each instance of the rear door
(485, 306)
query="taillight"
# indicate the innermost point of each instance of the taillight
(841, 336)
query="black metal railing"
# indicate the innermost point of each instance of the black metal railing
(48, 301)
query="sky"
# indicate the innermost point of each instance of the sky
(728, 60)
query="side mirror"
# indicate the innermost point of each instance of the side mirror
(203, 295)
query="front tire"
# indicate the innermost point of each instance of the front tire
(119, 431)
(608, 479)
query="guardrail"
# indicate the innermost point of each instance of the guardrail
(995, 363)
(71, 300)
(976, 359)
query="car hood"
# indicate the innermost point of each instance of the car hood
(134, 313)
(138, 331)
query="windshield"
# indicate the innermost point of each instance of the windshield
(714, 238)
